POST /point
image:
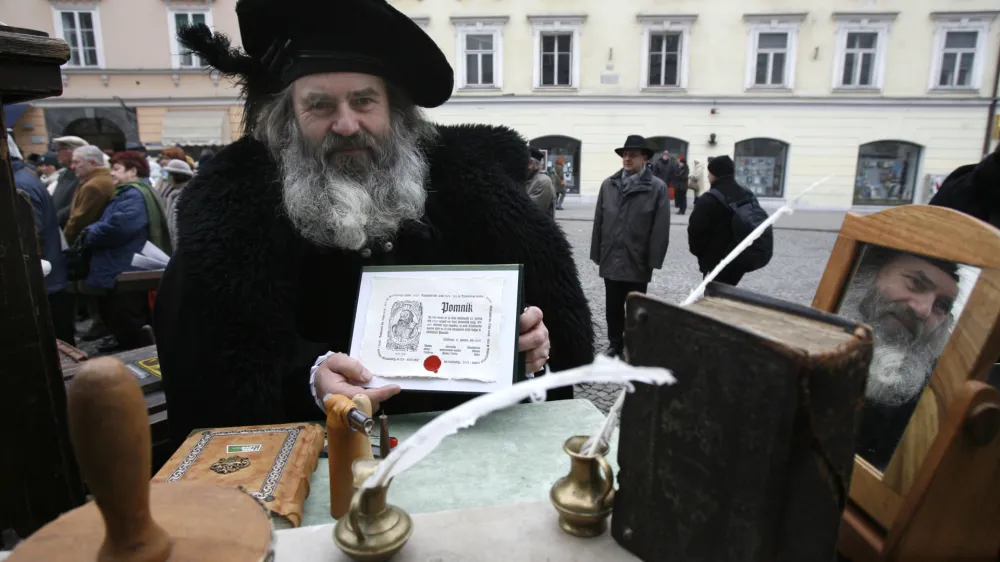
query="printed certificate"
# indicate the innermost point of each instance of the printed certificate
(439, 328)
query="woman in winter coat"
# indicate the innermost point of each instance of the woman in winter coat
(122, 231)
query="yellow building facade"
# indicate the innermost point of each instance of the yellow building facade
(885, 96)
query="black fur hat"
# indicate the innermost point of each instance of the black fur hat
(286, 39)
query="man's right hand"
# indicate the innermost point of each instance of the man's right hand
(340, 374)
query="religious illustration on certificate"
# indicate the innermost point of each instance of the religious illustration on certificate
(451, 328)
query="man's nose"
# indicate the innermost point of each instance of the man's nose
(922, 306)
(345, 123)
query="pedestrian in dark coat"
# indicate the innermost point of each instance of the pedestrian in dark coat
(710, 231)
(974, 189)
(253, 300)
(62, 194)
(539, 185)
(61, 301)
(631, 233)
(664, 168)
(681, 173)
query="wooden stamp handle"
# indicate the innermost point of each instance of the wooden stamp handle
(109, 428)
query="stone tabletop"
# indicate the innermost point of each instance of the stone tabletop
(511, 456)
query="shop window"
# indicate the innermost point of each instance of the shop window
(887, 173)
(760, 166)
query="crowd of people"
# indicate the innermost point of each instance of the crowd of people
(95, 209)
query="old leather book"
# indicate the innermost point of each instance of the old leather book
(748, 457)
(273, 463)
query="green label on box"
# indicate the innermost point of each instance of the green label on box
(243, 449)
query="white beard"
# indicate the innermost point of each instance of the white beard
(361, 200)
(900, 367)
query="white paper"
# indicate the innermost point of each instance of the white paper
(442, 330)
(146, 264)
(411, 321)
(152, 251)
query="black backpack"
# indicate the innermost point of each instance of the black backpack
(747, 216)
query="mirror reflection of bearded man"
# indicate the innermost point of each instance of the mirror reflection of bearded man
(908, 302)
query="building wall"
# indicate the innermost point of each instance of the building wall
(823, 140)
(823, 125)
(29, 129)
(611, 37)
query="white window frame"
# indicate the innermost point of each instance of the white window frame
(881, 25)
(479, 26)
(556, 24)
(979, 22)
(772, 23)
(94, 9)
(653, 24)
(175, 46)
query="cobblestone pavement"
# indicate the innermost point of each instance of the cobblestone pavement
(793, 275)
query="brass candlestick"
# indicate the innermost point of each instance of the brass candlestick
(372, 531)
(584, 497)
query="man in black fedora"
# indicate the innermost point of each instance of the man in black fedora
(631, 232)
(338, 169)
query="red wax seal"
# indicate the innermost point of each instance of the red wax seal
(432, 363)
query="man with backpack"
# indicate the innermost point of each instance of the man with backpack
(723, 216)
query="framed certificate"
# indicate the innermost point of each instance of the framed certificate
(439, 328)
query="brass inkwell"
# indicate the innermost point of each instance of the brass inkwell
(584, 497)
(373, 530)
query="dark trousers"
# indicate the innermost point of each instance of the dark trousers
(125, 313)
(681, 198)
(559, 200)
(727, 276)
(62, 307)
(615, 293)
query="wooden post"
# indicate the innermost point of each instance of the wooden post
(38, 475)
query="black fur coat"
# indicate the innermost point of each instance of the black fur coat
(246, 305)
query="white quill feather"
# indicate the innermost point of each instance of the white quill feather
(603, 435)
(421, 443)
(785, 209)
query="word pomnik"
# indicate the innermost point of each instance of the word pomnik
(449, 307)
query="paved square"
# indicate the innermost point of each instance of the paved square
(793, 274)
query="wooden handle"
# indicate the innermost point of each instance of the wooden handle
(109, 428)
(344, 446)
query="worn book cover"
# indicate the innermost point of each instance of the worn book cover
(272, 462)
(748, 457)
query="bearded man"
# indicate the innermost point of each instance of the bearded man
(908, 301)
(338, 169)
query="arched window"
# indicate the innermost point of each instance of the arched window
(887, 173)
(98, 131)
(677, 147)
(760, 166)
(568, 148)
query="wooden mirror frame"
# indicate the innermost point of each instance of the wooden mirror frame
(970, 352)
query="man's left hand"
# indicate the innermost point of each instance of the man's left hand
(534, 340)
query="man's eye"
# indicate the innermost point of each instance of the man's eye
(364, 101)
(916, 284)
